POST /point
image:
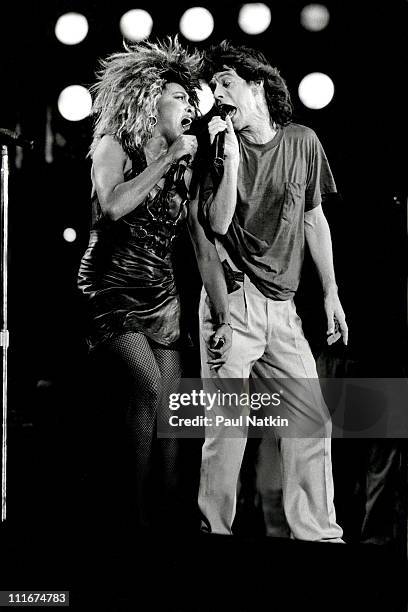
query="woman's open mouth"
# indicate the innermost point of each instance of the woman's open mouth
(186, 123)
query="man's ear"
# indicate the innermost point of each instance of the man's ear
(258, 84)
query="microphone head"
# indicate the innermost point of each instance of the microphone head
(9, 137)
(217, 110)
(225, 110)
(185, 160)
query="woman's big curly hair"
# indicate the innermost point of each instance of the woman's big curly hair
(130, 84)
(252, 65)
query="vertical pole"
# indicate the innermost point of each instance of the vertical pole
(4, 331)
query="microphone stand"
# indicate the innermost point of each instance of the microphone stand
(7, 137)
(4, 334)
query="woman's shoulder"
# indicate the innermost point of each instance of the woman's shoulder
(109, 152)
(108, 146)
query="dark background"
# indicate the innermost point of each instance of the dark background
(364, 133)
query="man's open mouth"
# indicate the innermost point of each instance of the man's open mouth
(227, 110)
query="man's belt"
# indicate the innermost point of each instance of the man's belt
(232, 277)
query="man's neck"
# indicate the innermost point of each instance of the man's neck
(260, 130)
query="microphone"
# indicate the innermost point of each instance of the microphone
(219, 141)
(178, 176)
(7, 137)
(182, 165)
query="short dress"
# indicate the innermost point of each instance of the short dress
(126, 274)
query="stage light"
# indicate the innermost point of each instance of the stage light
(75, 103)
(69, 234)
(254, 18)
(136, 25)
(196, 24)
(71, 28)
(205, 98)
(316, 90)
(315, 17)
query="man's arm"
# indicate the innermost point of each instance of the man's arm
(222, 207)
(318, 238)
(213, 278)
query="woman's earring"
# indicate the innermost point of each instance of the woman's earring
(153, 121)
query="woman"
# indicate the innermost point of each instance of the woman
(145, 102)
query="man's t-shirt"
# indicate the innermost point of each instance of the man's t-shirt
(277, 182)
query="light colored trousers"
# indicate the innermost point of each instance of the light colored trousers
(268, 342)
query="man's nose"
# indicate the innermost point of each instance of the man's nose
(218, 95)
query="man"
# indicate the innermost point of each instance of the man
(263, 209)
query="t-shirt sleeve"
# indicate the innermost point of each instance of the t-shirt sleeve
(320, 181)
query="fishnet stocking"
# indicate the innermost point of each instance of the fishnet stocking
(153, 372)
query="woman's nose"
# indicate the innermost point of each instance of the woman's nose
(191, 110)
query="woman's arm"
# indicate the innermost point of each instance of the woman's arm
(118, 197)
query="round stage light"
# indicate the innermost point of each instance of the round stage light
(75, 103)
(196, 24)
(136, 25)
(205, 98)
(71, 28)
(254, 18)
(69, 234)
(315, 17)
(316, 90)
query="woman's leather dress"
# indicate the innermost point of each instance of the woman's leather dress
(126, 274)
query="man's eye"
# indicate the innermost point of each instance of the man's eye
(226, 84)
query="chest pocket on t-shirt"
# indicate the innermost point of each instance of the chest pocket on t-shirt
(267, 215)
(293, 196)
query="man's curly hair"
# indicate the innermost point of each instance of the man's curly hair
(130, 84)
(251, 65)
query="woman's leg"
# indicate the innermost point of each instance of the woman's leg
(135, 358)
(172, 507)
